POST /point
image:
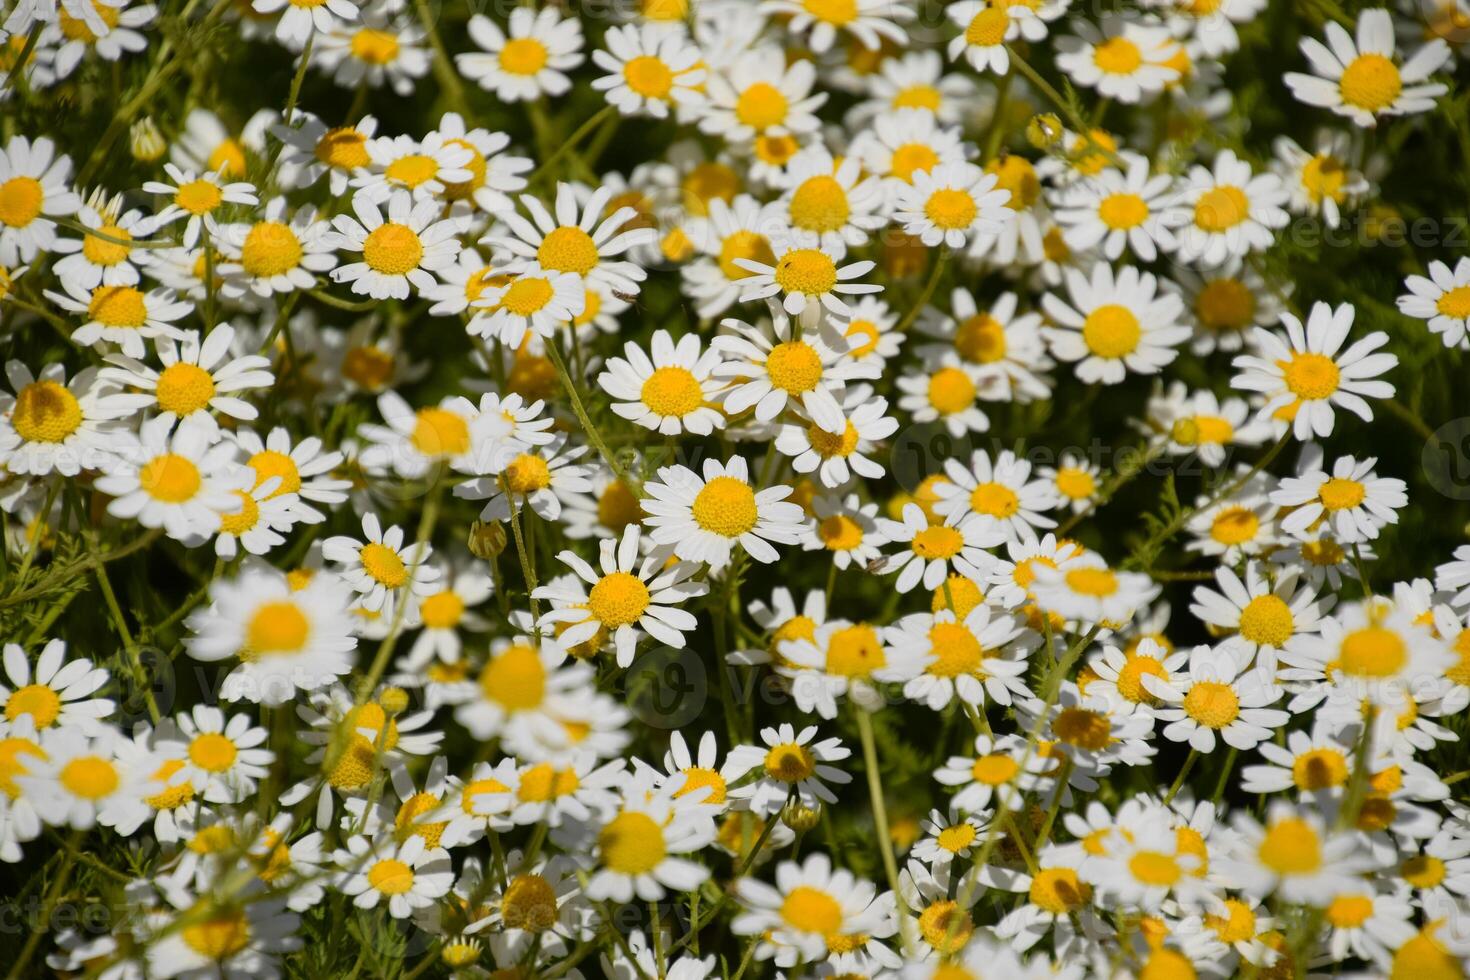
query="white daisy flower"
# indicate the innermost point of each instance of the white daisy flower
(244, 938)
(809, 279)
(1354, 502)
(628, 591)
(980, 656)
(986, 27)
(80, 781)
(835, 458)
(57, 694)
(1220, 694)
(1001, 492)
(525, 686)
(404, 249)
(448, 612)
(541, 478)
(1086, 589)
(1115, 324)
(729, 232)
(792, 766)
(194, 198)
(1318, 762)
(843, 658)
(303, 470)
(416, 442)
(670, 392)
(1293, 855)
(827, 200)
(178, 481)
(899, 144)
(1004, 770)
(1002, 350)
(122, 315)
(870, 22)
(1120, 208)
(638, 844)
(493, 174)
(810, 904)
(526, 60)
(759, 93)
(261, 517)
(378, 568)
(276, 254)
(1443, 299)
(93, 260)
(1200, 424)
(950, 203)
(1323, 182)
(1361, 79)
(1075, 481)
(650, 71)
(299, 19)
(1227, 210)
(409, 876)
(197, 380)
(222, 758)
(847, 529)
(207, 146)
(1262, 614)
(583, 241)
(422, 168)
(387, 48)
(286, 638)
(312, 149)
(535, 301)
(1121, 672)
(1123, 58)
(52, 424)
(931, 550)
(947, 393)
(1226, 301)
(704, 517)
(1366, 653)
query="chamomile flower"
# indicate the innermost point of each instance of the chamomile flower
(1123, 58)
(809, 903)
(729, 231)
(313, 149)
(1225, 302)
(1001, 492)
(303, 470)
(177, 480)
(414, 442)
(285, 638)
(246, 937)
(581, 240)
(835, 458)
(1263, 614)
(1443, 299)
(1227, 210)
(1361, 78)
(384, 48)
(945, 392)
(639, 844)
(1075, 481)
(759, 93)
(121, 315)
(198, 379)
(382, 565)
(980, 657)
(792, 765)
(1221, 694)
(650, 72)
(222, 758)
(420, 168)
(446, 613)
(1323, 182)
(50, 423)
(870, 22)
(402, 250)
(986, 27)
(407, 876)
(1367, 653)
(950, 203)
(1292, 855)
(1002, 771)
(534, 302)
(1121, 672)
(80, 781)
(1119, 208)
(1114, 324)
(847, 529)
(1315, 762)
(299, 19)
(1201, 424)
(704, 516)
(808, 278)
(902, 143)
(1353, 501)
(626, 591)
(57, 693)
(931, 550)
(843, 659)
(276, 254)
(528, 59)
(207, 145)
(1086, 589)
(195, 198)
(524, 685)
(671, 391)
(538, 478)
(828, 201)
(93, 260)
(75, 39)
(1001, 348)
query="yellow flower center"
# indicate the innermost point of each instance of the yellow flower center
(994, 499)
(1117, 56)
(227, 159)
(1236, 925)
(527, 295)
(1224, 305)
(392, 249)
(649, 77)
(442, 610)
(184, 388)
(725, 506)
(938, 543)
(276, 628)
(271, 249)
(761, 106)
(987, 28)
(1323, 552)
(172, 797)
(957, 838)
(440, 432)
(837, 13)
(632, 844)
(747, 245)
(1212, 704)
(515, 679)
(242, 520)
(1371, 82)
(374, 47)
(951, 209)
(343, 148)
(1221, 208)
(406, 823)
(1234, 525)
(1290, 847)
(368, 367)
(529, 904)
(101, 252)
(828, 445)
(995, 769)
(775, 150)
(790, 763)
(1267, 620)
(46, 412)
(383, 564)
(951, 391)
(1455, 303)
(1341, 494)
(1349, 911)
(523, 56)
(1074, 483)
(911, 157)
(956, 650)
(1319, 769)
(1092, 581)
(568, 249)
(1311, 377)
(1423, 871)
(925, 97)
(1121, 212)
(169, 478)
(855, 651)
(820, 204)
(618, 599)
(90, 777)
(1130, 678)
(1058, 891)
(220, 937)
(212, 752)
(794, 367)
(672, 391)
(268, 463)
(1111, 331)
(840, 533)
(945, 926)
(1084, 728)
(808, 909)
(698, 778)
(117, 306)
(1323, 177)
(21, 199)
(526, 475)
(1154, 868)
(37, 700)
(1373, 652)
(390, 876)
(198, 197)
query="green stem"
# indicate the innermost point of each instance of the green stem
(934, 273)
(880, 814)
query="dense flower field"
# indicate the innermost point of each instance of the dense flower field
(734, 488)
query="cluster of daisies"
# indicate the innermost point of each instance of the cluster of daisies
(449, 433)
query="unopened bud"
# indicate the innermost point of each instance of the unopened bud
(148, 144)
(801, 818)
(487, 539)
(1043, 130)
(393, 700)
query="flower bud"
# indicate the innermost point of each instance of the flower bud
(148, 144)
(487, 539)
(1043, 130)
